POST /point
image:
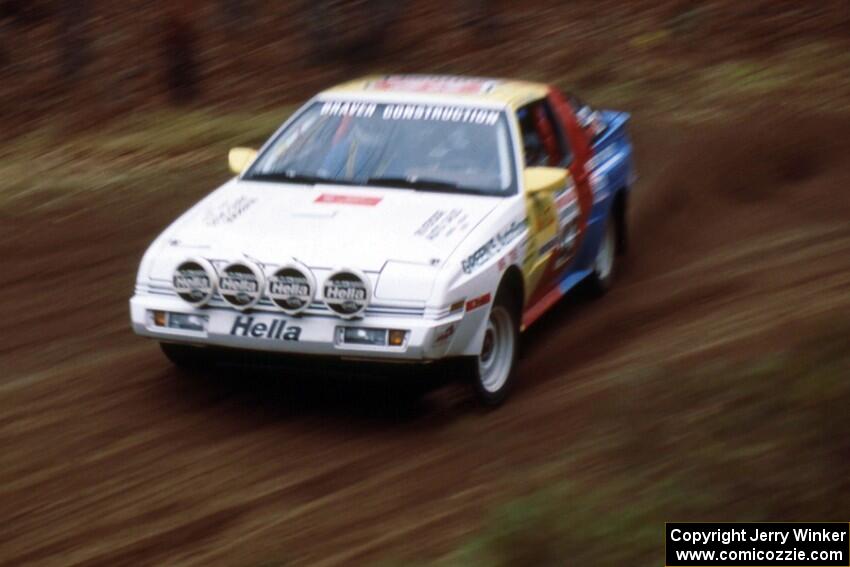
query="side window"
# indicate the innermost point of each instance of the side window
(565, 157)
(542, 136)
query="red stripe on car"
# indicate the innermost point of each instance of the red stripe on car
(535, 311)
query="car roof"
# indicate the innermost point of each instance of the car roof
(441, 89)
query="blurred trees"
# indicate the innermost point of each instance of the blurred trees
(354, 30)
(482, 15)
(359, 30)
(15, 14)
(22, 12)
(147, 52)
(74, 40)
(236, 15)
(170, 39)
(180, 52)
(71, 21)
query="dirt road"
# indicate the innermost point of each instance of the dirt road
(741, 234)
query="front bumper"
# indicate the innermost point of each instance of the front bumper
(312, 334)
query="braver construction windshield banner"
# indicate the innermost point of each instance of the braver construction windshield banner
(758, 544)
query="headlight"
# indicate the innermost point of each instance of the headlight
(405, 281)
(181, 321)
(371, 337)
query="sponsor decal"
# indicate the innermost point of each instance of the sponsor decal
(440, 113)
(474, 304)
(291, 288)
(547, 246)
(348, 199)
(566, 197)
(494, 245)
(599, 183)
(601, 158)
(568, 212)
(358, 109)
(436, 113)
(194, 281)
(443, 223)
(566, 202)
(567, 243)
(228, 211)
(347, 293)
(246, 326)
(434, 84)
(241, 284)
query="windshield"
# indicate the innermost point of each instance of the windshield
(427, 147)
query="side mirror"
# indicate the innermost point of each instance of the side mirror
(542, 179)
(240, 158)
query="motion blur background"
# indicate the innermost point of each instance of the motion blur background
(710, 385)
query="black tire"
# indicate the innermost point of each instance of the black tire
(491, 387)
(184, 356)
(605, 264)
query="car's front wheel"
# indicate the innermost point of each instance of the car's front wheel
(494, 369)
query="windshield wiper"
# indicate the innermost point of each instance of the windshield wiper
(410, 182)
(421, 184)
(295, 177)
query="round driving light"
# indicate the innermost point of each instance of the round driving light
(194, 281)
(347, 293)
(241, 284)
(291, 288)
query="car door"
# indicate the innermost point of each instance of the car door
(553, 214)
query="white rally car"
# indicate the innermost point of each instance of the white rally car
(397, 218)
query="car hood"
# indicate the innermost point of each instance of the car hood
(322, 226)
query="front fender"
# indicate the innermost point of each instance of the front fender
(474, 274)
